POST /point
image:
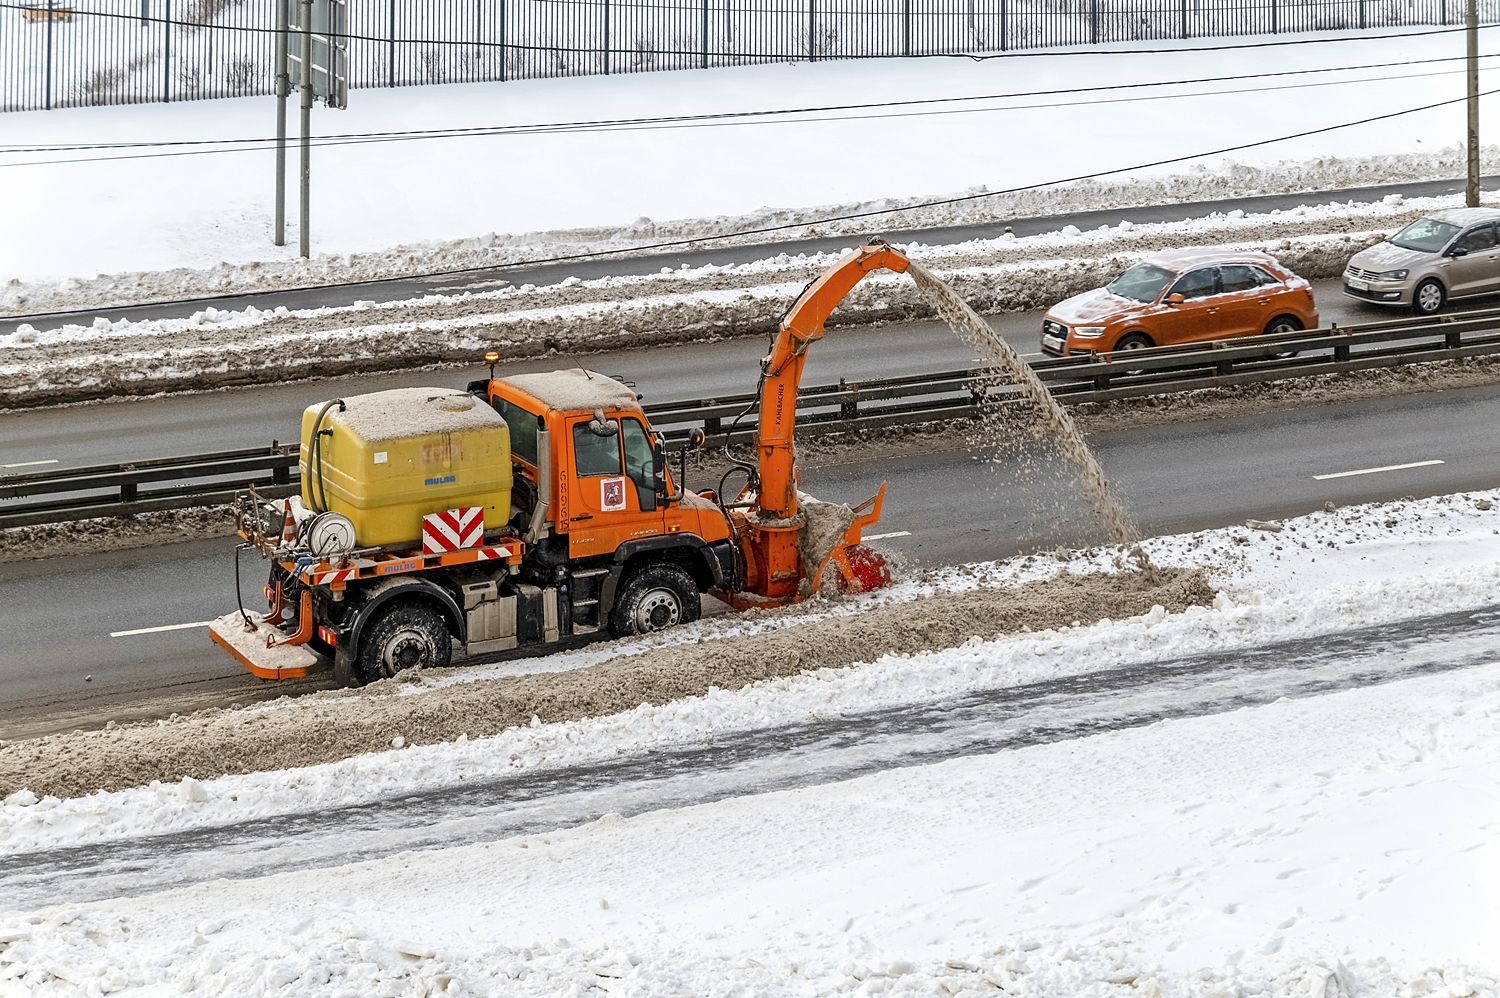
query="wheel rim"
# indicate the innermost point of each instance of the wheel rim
(1429, 297)
(407, 649)
(1132, 345)
(658, 609)
(1283, 327)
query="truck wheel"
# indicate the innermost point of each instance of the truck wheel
(656, 597)
(407, 636)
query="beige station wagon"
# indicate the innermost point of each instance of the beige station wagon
(1448, 254)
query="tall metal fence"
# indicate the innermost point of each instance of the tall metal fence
(72, 53)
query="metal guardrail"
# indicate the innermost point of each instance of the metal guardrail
(207, 479)
(116, 489)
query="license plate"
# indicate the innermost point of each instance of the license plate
(1053, 342)
(1357, 285)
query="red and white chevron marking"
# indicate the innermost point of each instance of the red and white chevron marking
(338, 575)
(453, 530)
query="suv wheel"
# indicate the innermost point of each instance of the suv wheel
(407, 636)
(657, 596)
(1427, 299)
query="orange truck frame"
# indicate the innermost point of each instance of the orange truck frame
(602, 541)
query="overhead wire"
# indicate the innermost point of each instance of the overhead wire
(802, 115)
(777, 56)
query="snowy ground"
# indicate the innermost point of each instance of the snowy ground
(397, 208)
(1335, 845)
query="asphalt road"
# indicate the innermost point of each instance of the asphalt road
(58, 615)
(200, 423)
(415, 287)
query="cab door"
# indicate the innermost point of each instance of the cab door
(1196, 316)
(613, 492)
(1476, 270)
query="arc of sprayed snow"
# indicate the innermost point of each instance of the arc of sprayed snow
(970, 327)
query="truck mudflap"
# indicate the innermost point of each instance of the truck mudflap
(254, 646)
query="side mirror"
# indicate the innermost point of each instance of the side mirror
(1458, 251)
(1175, 299)
(658, 467)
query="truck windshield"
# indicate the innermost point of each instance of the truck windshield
(1425, 235)
(522, 429)
(1142, 282)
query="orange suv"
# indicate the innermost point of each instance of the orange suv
(1181, 296)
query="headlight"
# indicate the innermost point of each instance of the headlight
(1394, 275)
(1089, 332)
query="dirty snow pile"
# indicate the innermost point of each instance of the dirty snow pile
(193, 224)
(1336, 846)
(215, 347)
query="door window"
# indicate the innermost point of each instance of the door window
(1477, 240)
(595, 455)
(523, 428)
(640, 462)
(1199, 283)
(1239, 277)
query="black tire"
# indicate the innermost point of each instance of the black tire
(653, 598)
(1430, 303)
(1284, 324)
(406, 636)
(1134, 341)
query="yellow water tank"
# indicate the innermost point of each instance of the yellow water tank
(393, 457)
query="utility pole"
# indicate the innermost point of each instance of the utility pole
(283, 88)
(1471, 23)
(303, 236)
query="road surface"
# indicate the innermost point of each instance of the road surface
(957, 506)
(204, 422)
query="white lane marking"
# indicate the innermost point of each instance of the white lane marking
(881, 537)
(157, 630)
(28, 464)
(1371, 471)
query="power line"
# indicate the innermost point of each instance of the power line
(845, 217)
(789, 115)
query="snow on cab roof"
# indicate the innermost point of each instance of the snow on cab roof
(574, 389)
(409, 412)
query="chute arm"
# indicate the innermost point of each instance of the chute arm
(782, 369)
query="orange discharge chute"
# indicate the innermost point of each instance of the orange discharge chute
(770, 530)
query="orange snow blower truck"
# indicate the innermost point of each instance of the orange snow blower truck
(531, 513)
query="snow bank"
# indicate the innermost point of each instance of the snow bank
(215, 347)
(1326, 572)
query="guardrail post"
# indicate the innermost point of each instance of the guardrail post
(1452, 339)
(712, 427)
(849, 409)
(128, 492)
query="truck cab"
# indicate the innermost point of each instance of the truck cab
(594, 498)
